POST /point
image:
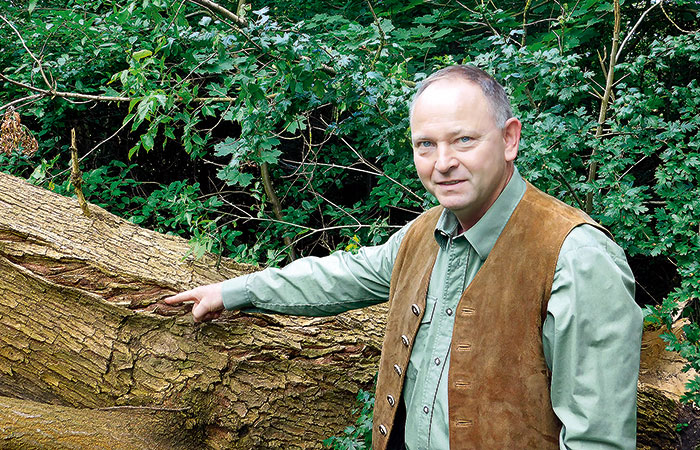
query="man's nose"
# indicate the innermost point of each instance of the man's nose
(445, 158)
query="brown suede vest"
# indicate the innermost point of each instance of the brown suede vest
(498, 389)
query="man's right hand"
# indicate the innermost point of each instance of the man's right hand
(208, 303)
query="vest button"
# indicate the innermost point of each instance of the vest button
(404, 340)
(397, 369)
(415, 309)
(391, 400)
(382, 429)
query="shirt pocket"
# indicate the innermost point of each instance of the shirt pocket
(430, 302)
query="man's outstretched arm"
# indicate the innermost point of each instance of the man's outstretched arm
(308, 286)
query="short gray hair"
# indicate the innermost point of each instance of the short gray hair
(492, 90)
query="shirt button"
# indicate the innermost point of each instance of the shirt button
(426, 409)
(448, 311)
(437, 361)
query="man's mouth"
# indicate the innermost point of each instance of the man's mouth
(449, 183)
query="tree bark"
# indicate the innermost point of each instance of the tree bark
(90, 357)
(83, 327)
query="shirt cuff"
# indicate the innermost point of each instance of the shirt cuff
(234, 293)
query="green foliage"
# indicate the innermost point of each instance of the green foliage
(358, 436)
(680, 427)
(317, 92)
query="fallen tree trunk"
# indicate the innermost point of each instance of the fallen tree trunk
(83, 326)
(92, 358)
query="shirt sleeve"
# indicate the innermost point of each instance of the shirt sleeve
(591, 339)
(314, 286)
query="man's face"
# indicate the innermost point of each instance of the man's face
(462, 157)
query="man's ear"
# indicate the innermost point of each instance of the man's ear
(511, 138)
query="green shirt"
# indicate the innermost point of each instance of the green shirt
(591, 336)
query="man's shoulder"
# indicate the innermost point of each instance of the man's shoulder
(551, 208)
(586, 238)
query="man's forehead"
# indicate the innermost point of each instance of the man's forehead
(448, 92)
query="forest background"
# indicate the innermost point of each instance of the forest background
(267, 131)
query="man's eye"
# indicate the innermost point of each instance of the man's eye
(464, 139)
(425, 144)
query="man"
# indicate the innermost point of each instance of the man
(512, 321)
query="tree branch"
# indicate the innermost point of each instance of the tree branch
(55, 93)
(20, 100)
(76, 175)
(610, 78)
(671, 20)
(382, 36)
(221, 10)
(275, 203)
(634, 28)
(102, 98)
(41, 67)
(242, 23)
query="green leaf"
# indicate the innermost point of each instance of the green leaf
(270, 156)
(147, 141)
(134, 149)
(143, 110)
(139, 55)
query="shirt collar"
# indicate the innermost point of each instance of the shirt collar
(483, 235)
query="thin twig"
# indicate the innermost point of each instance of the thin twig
(333, 166)
(610, 78)
(382, 36)
(20, 100)
(671, 20)
(275, 203)
(568, 186)
(41, 67)
(172, 21)
(527, 6)
(104, 98)
(365, 161)
(221, 10)
(372, 166)
(54, 93)
(76, 176)
(94, 148)
(634, 28)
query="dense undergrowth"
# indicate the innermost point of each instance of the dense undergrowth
(274, 130)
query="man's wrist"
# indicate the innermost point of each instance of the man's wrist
(234, 293)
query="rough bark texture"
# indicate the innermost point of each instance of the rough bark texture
(660, 414)
(81, 327)
(90, 357)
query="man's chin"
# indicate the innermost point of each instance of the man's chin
(454, 205)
